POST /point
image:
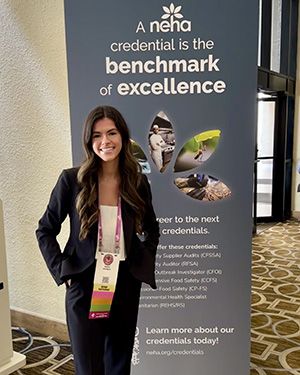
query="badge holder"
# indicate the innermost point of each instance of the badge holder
(104, 285)
(106, 272)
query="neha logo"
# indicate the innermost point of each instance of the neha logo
(108, 259)
(172, 22)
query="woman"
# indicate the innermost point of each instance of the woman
(106, 190)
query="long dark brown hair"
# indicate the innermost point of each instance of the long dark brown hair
(130, 172)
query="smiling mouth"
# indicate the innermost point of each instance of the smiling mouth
(107, 149)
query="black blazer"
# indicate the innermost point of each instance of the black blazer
(79, 255)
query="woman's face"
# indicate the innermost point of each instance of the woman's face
(106, 140)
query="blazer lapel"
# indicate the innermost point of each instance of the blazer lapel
(128, 224)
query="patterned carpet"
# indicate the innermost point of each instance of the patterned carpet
(275, 342)
(44, 355)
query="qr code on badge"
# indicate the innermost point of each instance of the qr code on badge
(105, 280)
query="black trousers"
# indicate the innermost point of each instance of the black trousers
(103, 346)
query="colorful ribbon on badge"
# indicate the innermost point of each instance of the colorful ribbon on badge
(101, 301)
(104, 285)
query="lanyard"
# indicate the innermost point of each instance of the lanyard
(118, 228)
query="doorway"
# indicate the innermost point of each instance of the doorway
(273, 161)
(265, 158)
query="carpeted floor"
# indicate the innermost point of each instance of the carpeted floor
(44, 355)
(275, 333)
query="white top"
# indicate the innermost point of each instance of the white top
(109, 222)
(156, 141)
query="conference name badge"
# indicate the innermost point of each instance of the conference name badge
(104, 285)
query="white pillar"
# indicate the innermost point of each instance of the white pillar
(9, 360)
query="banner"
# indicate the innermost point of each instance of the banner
(184, 77)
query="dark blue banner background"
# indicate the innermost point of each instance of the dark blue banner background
(198, 321)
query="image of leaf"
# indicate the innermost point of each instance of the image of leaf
(197, 150)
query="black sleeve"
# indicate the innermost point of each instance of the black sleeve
(49, 226)
(150, 225)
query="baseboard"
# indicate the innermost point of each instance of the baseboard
(35, 323)
(296, 214)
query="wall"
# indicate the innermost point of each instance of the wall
(296, 156)
(35, 142)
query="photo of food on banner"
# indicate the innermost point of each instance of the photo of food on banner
(202, 187)
(161, 141)
(197, 150)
